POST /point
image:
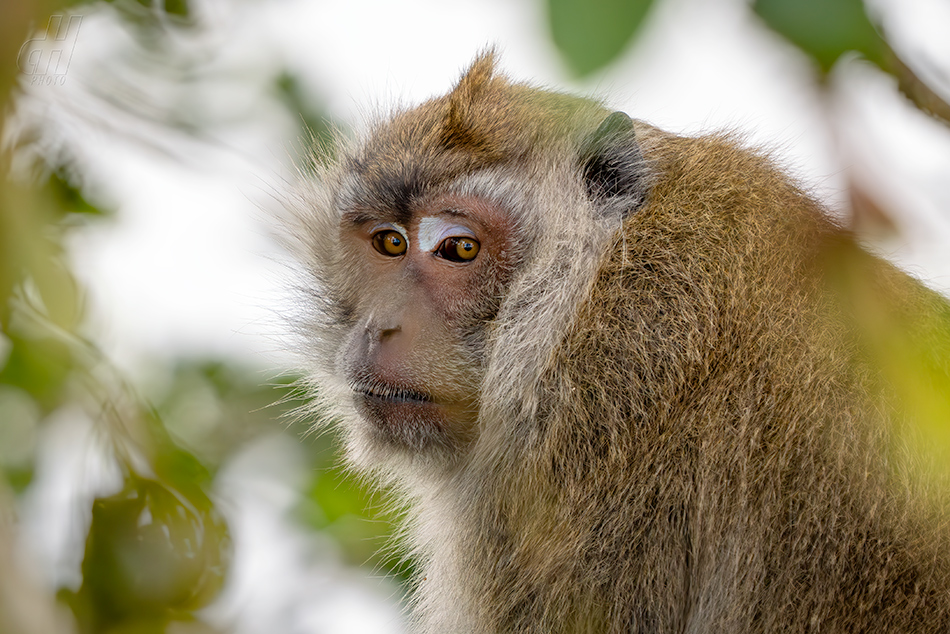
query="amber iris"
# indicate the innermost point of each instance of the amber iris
(458, 249)
(389, 242)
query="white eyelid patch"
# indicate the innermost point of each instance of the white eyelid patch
(433, 230)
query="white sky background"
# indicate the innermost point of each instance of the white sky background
(187, 267)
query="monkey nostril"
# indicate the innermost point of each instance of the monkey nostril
(382, 329)
(386, 333)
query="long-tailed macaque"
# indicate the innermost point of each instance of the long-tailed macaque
(627, 381)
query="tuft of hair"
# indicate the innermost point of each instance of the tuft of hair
(457, 129)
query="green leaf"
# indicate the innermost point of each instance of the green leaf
(824, 29)
(153, 552)
(68, 198)
(60, 292)
(592, 33)
(40, 367)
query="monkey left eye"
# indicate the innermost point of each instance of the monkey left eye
(458, 249)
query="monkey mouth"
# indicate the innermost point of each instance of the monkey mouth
(376, 390)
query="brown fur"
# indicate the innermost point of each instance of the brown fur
(706, 412)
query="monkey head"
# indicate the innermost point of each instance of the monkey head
(436, 237)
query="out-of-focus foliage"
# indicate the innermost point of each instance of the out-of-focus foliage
(156, 551)
(154, 9)
(31, 228)
(904, 329)
(40, 304)
(153, 554)
(824, 29)
(827, 29)
(159, 549)
(316, 131)
(358, 517)
(32, 367)
(590, 33)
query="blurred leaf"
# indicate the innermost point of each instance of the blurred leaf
(60, 292)
(151, 22)
(40, 367)
(10, 265)
(25, 218)
(68, 198)
(210, 407)
(19, 478)
(19, 418)
(179, 8)
(32, 222)
(903, 328)
(592, 33)
(824, 29)
(180, 468)
(359, 519)
(153, 553)
(337, 495)
(151, 12)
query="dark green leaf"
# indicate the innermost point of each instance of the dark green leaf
(177, 7)
(152, 551)
(592, 33)
(824, 29)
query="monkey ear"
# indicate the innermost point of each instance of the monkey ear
(613, 166)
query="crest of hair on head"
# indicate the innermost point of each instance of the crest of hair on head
(458, 131)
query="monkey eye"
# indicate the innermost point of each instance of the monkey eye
(389, 242)
(458, 249)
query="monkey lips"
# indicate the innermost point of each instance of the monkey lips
(408, 417)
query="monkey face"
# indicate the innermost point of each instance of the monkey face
(475, 218)
(427, 287)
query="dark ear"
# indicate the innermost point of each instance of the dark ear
(613, 166)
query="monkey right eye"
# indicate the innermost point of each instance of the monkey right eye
(458, 249)
(389, 242)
